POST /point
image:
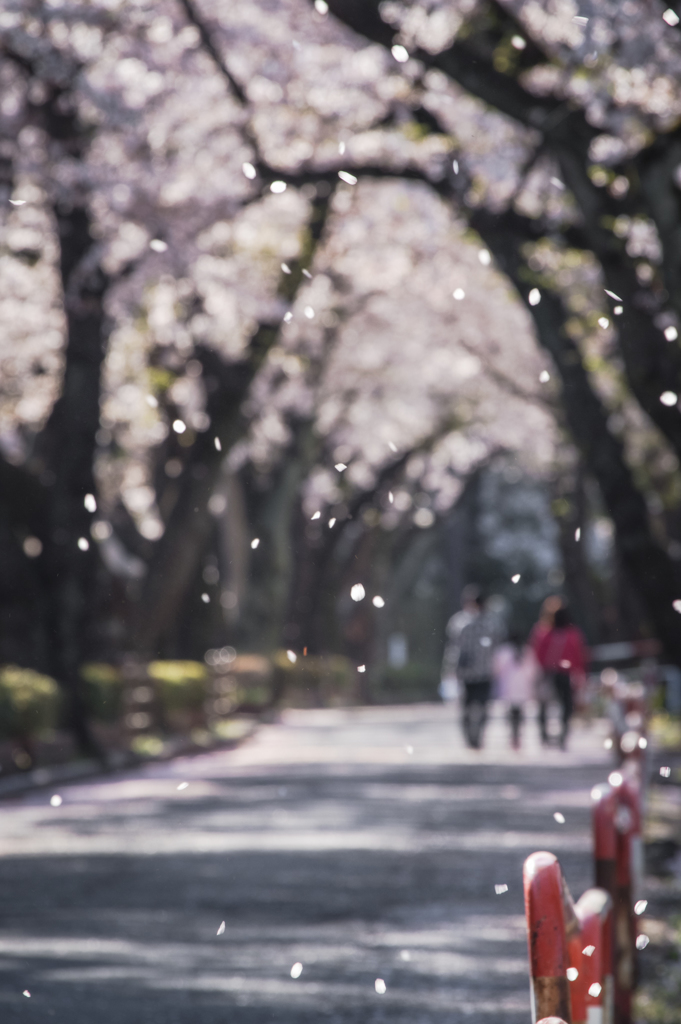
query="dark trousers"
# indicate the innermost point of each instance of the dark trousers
(515, 717)
(475, 700)
(563, 690)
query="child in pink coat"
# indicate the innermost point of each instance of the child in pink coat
(515, 669)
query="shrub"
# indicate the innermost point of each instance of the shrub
(29, 702)
(180, 685)
(412, 683)
(103, 691)
(324, 680)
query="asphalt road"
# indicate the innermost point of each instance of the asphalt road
(364, 844)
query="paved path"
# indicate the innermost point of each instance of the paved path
(364, 844)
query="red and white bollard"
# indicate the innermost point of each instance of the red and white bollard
(628, 877)
(594, 912)
(551, 927)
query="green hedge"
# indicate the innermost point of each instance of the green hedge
(324, 680)
(103, 691)
(179, 685)
(29, 702)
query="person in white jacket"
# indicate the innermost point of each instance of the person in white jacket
(515, 671)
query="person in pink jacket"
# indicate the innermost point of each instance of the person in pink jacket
(515, 670)
(563, 655)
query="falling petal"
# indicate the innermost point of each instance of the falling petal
(221, 929)
(578, 533)
(391, 497)
(671, 333)
(83, 543)
(676, 605)
(560, 818)
(317, 515)
(612, 295)
(217, 444)
(307, 274)
(18, 202)
(557, 183)
(288, 317)
(341, 148)
(484, 257)
(516, 578)
(392, 446)
(292, 657)
(345, 176)
(340, 466)
(249, 171)
(309, 312)
(379, 984)
(669, 398)
(544, 377)
(459, 294)
(518, 43)
(90, 502)
(332, 523)
(321, 6)
(595, 990)
(672, 19)
(640, 907)
(296, 970)
(378, 601)
(642, 941)
(286, 269)
(499, 889)
(255, 542)
(357, 592)
(400, 54)
(179, 426)
(572, 974)
(534, 298)
(455, 166)
(26, 993)
(277, 187)
(56, 800)
(665, 771)
(183, 785)
(618, 310)
(361, 668)
(205, 598)
(603, 322)
(589, 950)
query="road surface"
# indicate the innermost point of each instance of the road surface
(363, 844)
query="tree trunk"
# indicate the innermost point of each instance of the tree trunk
(651, 570)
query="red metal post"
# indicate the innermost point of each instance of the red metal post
(627, 882)
(594, 911)
(545, 911)
(604, 799)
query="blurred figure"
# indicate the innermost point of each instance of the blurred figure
(515, 670)
(562, 654)
(545, 622)
(449, 685)
(473, 653)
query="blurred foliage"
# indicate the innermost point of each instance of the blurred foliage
(666, 731)
(413, 682)
(29, 702)
(103, 691)
(323, 680)
(180, 685)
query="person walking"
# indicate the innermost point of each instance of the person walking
(515, 671)
(562, 654)
(474, 650)
(449, 682)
